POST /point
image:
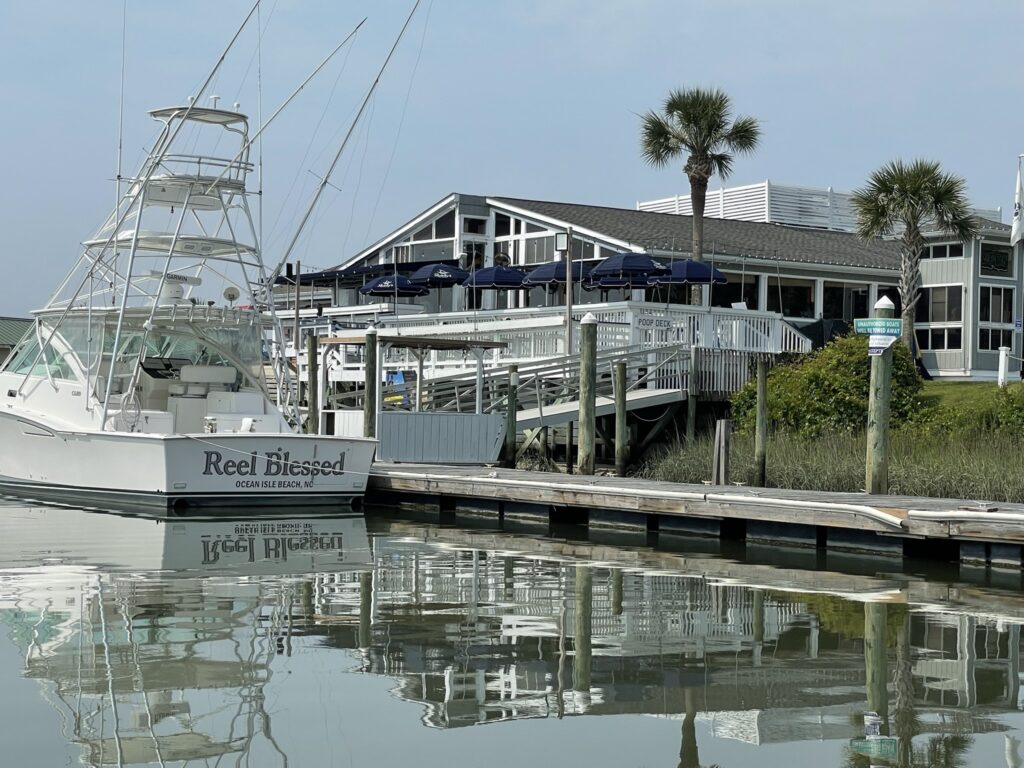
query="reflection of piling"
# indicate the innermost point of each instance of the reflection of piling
(365, 603)
(581, 641)
(758, 609)
(875, 616)
(616, 592)
(688, 757)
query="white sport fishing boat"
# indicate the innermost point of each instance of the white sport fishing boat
(146, 374)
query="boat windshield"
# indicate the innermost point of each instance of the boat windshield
(78, 343)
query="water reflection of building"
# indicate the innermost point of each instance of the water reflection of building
(152, 649)
(478, 637)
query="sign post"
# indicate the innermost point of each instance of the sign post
(883, 331)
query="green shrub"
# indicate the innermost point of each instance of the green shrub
(827, 391)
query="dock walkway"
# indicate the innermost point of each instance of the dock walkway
(985, 529)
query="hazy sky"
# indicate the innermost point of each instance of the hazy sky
(529, 98)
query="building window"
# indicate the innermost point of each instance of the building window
(995, 318)
(942, 304)
(795, 297)
(502, 225)
(740, 288)
(991, 339)
(939, 338)
(943, 251)
(843, 301)
(474, 226)
(445, 226)
(996, 260)
(996, 305)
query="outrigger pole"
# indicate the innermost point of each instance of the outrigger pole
(314, 73)
(326, 177)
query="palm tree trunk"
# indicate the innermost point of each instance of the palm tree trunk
(698, 197)
(910, 279)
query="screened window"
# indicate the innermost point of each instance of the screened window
(991, 339)
(474, 226)
(445, 226)
(943, 251)
(996, 305)
(939, 338)
(943, 304)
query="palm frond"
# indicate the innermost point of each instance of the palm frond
(658, 143)
(743, 136)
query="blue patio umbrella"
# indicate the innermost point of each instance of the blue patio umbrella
(554, 273)
(689, 272)
(393, 285)
(494, 278)
(438, 276)
(625, 264)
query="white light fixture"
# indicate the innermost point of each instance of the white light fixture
(562, 241)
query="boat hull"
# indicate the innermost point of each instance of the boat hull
(172, 470)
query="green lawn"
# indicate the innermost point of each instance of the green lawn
(960, 395)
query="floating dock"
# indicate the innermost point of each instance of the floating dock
(981, 533)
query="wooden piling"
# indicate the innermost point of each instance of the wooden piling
(588, 393)
(621, 428)
(312, 383)
(761, 424)
(720, 462)
(876, 472)
(568, 449)
(691, 398)
(511, 406)
(371, 383)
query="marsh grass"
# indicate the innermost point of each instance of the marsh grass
(959, 465)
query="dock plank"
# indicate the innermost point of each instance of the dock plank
(892, 515)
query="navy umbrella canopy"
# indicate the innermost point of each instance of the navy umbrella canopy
(690, 272)
(438, 276)
(497, 278)
(554, 272)
(393, 285)
(624, 264)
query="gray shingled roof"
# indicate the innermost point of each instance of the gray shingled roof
(754, 239)
(12, 329)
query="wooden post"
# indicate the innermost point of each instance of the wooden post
(621, 429)
(877, 464)
(479, 404)
(419, 379)
(1004, 367)
(720, 462)
(588, 393)
(761, 424)
(312, 383)
(691, 398)
(370, 384)
(511, 406)
(568, 448)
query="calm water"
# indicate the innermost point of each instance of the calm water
(325, 642)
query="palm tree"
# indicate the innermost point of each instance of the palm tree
(695, 123)
(911, 197)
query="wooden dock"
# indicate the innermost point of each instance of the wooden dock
(981, 532)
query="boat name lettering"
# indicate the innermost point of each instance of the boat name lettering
(275, 464)
(274, 547)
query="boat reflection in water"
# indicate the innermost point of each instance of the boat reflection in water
(156, 641)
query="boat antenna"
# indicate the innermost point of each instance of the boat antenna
(120, 105)
(344, 143)
(259, 119)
